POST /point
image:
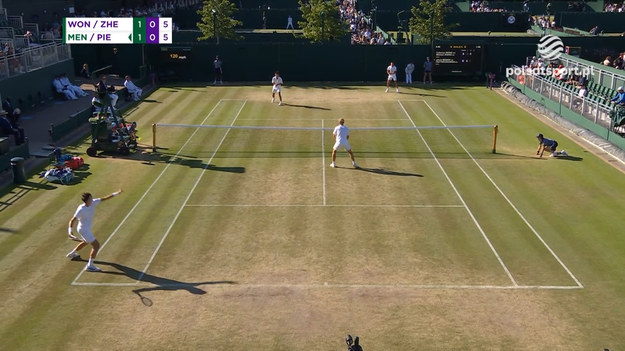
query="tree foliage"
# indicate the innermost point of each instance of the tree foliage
(321, 21)
(428, 21)
(216, 20)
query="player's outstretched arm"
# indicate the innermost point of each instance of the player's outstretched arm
(112, 195)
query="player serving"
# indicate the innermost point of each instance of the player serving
(277, 88)
(84, 215)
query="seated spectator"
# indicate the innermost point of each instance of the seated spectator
(619, 62)
(15, 66)
(30, 38)
(7, 128)
(84, 72)
(17, 113)
(619, 99)
(7, 106)
(582, 81)
(58, 86)
(559, 73)
(581, 95)
(67, 84)
(133, 90)
(607, 61)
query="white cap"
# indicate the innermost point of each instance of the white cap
(620, 88)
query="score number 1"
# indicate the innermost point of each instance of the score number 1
(152, 30)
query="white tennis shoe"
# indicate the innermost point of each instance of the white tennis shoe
(92, 268)
(332, 165)
(73, 255)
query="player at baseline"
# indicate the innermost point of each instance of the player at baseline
(341, 135)
(391, 70)
(84, 214)
(277, 82)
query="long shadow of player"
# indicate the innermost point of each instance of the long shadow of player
(387, 172)
(308, 107)
(159, 282)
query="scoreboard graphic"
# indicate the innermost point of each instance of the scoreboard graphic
(460, 59)
(117, 30)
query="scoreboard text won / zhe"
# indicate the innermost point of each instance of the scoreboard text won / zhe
(117, 30)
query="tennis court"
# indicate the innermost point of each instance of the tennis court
(235, 231)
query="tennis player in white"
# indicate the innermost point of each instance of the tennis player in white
(391, 70)
(277, 88)
(84, 214)
(341, 135)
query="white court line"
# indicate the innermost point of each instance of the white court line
(147, 191)
(282, 119)
(518, 212)
(477, 224)
(355, 286)
(325, 205)
(323, 161)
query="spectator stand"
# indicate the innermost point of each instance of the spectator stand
(594, 112)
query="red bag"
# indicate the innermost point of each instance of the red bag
(75, 162)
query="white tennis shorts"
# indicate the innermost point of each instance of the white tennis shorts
(277, 88)
(392, 77)
(345, 144)
(86, 235)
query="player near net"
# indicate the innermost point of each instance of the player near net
(84, 214)
(277, 82)
(341, 135)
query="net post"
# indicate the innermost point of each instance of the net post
(495, 131)
(153, 137)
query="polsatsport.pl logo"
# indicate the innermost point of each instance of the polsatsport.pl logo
(512, 72)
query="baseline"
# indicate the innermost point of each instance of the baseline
(361, 286)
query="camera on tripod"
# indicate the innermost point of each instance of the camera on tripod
(353, 344)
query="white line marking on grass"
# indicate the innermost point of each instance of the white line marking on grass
(189, 195)
(147, 191)
(477, 224)
(518, 212)
(353, 286)
(323, 161)
(325, 205)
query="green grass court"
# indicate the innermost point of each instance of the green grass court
(234, 238)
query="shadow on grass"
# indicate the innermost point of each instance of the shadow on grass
(387, 172)
(161, 283)
(308, 107)
(568, 158)
(19, 191)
